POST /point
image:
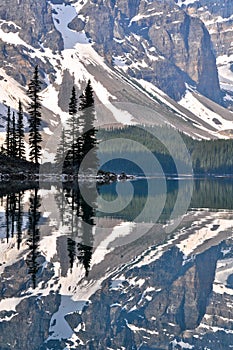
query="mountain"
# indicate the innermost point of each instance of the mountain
(156, 54)
(155, 41)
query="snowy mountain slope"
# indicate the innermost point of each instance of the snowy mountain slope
(114, 89)
(117, 94)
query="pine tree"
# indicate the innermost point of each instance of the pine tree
(20, 133)
(62, 148)
(8, 132)
(74, 132)
(73, 109)
(89, 131)
(34, 110)
(13, 141)
(78, 143)
(70, 132)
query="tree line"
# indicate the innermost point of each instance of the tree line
(207, 156)
(77, 138)
(14, 145)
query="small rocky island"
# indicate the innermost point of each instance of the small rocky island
(23, 170)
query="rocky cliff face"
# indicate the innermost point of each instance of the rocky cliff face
(217, 16)
(34, 21)
(26, 25)
(218, 19)
(156, 41)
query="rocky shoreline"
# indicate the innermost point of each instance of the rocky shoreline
(22, 170)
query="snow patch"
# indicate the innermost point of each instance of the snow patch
(142, 16)
(119, 61)
(185, 2)
(182, 344)
(62, 16)
(9, 304)
(190, 102)
(135, 329)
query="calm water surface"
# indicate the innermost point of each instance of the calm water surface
(146, 264)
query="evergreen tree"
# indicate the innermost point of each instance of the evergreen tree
(62, 148)
(73, 109)
(34, 110)
(8, 132)
(20, 133)
(13, 141)
(89, 131)
(74, 131)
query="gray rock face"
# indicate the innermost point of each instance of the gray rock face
(156, 41)
(34, 20)
(217, 17)
(34, 24)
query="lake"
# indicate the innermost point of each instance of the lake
(142, 264)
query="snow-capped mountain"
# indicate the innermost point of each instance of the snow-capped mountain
(154, 54)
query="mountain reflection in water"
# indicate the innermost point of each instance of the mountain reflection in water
(73, 277)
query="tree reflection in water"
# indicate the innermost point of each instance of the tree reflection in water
(78, 217)
(33, 235)
(13, 216)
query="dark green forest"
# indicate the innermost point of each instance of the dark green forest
(207, 156)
